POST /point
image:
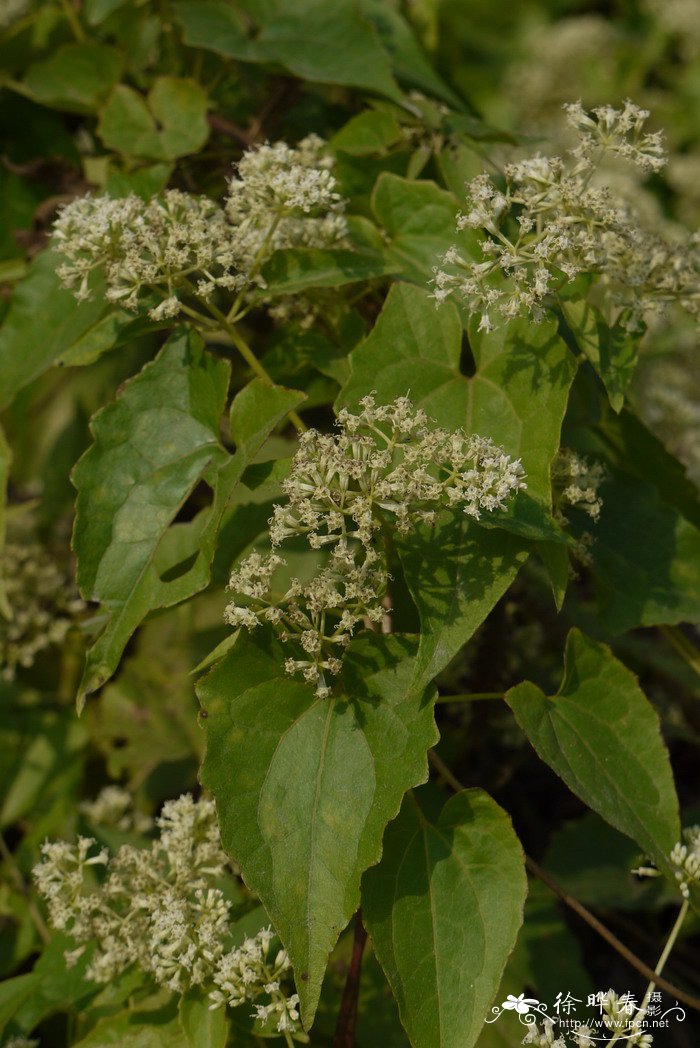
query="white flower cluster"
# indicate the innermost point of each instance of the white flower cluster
(624, 1018)
(543, 1037)
(43, 601)
(158, 908)
(248, 972)
(171, 247)
(668, 396)
(685, 858)
(617, 131)
(618, 1016)
(113, 806)
(177, 248)
(283, 197)
(575, 482)
(12, 10)
(678, 18)
(552, 222)
(386, 467)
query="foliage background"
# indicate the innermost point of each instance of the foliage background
(118, 97)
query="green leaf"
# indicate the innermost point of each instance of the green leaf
(146, 717)
(291, 271)
(255, 412)
(443, 910)
(521, 387)
(547, 957)
(169, 123)
(13, 994)
(373, 131)
(555, 558)
(410, 63)
(412, 347)
(152, 445)
(75, 77)
(132, 1029)
(58, 986)
(517, 396)
(646, 559)
(98, 10)
(19, 199)
(145, 182)
(37, 744)
(593, 861)
(646, 555)
(611, 351)
(640, 452)
(325, 43)
(305, 787)
(456, 573)
(601, 736)
(202, 1028)
(45, 324)
(421, 220)
(216, 26)
(181, 557)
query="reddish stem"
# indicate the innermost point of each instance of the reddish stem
(347, 1016)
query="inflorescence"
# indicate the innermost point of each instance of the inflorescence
(386, 467)
(176, 250)
(114, 806)
(554, 219)
(685, 860)
(158, 908)
(43, 601)
(575, 484)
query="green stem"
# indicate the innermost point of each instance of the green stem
(665, 954)
(685, 648)
(197, 316)
(250, 358)
(73, 21)
(256, 265)
(475, 696)
(70, 667)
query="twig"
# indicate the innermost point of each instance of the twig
(231, 130)
(578, 908)
(685, 647)
(347, 1016)
(73, 21)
